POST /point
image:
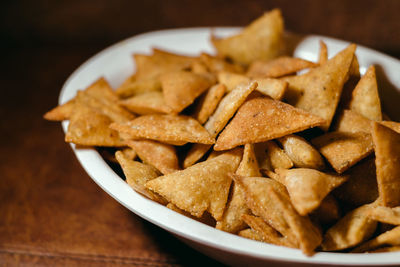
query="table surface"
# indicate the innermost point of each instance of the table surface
(51, 212)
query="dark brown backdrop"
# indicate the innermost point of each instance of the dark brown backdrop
(50, 210)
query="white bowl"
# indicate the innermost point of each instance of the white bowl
(115, 64)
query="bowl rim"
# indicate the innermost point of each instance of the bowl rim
(183, 226)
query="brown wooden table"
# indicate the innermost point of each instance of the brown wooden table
(51, 212)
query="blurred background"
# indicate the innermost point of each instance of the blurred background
(50, 210)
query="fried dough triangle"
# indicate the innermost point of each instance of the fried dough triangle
(162, 156)
(171, 129)
(365, 98)
(181, 88)
(349, 231)
(387, 153)
(269, 200)
(261, 119)
(232, 219)
(308, 187)
(201, 187)
(137, 174)
(318, 91)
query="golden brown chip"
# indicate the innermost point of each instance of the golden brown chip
(146, 103)
(361, 188)
(205, 218)
(231, 79)
(88, 127)
(201, 187)
(61, 112)
(318, 91)
(354, 228)
(308, 187)
(395, 126)
(391, 237)
(365, 98)
(260, 203)
(209, 102)
(271, 157)
(160, 62)
(302, 154)
(261, 40)
(350, 121)
(261, 119)
(278, 67)
(344, 149)
(181, 88)
(269, 200)
(236, 206)
(138, 174)
(385, 214)
(267, 233)
(251, 234)
(161, 156)
(224, 112)
(387, 153)
(171, 129)
(216, 64)
(323, 53)
(131, 86)
(271, 87)
(328, 211)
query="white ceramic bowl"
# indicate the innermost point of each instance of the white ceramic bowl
(115, 64)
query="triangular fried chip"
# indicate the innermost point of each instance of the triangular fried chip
(150, 67)
(217, 64)
(395, 126)
(251, 234)
(146, 103)
(181, 88)
(385, 214)
(350, 121)
(261, 119)
(270, 156)
(201, 187)
(318, 91)
(205, 218)
(267, 233)
(344, 149)
(323, 53)
(361, 188)
(61, 112)
(351, 230)
(236, 206)
(308, 187)
(224, 112)
(271, 87)
(259, 201)
(387, 153)
(171, 129)
(269, 200)
(328, 211)
(138, 174)
(209, 102)
(307, 234)
(131, 86)
(161, 156)
(88, 127)
(231, 79)
(365, 97)
(391, 237)
(262, 39)
(100, 97)
(278, 67)
(302, 154)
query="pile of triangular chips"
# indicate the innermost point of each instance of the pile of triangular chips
(244, 143)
